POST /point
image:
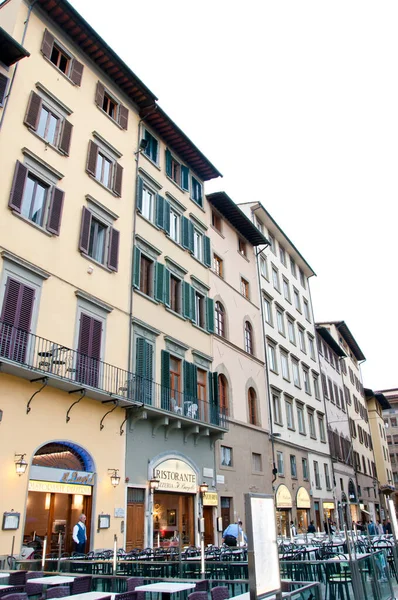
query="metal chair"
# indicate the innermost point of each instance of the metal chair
(17, 578)
(81, 585)
(19, 589)
(202, 586)
(127, 596)
(132, 583)
(220, 592)
(20, 596)
(198, 596)
(31, 588)
(58, 591)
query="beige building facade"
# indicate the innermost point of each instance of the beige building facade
(390, 416)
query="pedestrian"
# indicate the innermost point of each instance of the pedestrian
(233, 534)
(80, 535)
(311, 527)
(379, 528)
(293, 530)
(326, 527)
(371, 528)
(387, 527)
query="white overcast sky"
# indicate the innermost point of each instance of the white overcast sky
(296, 103)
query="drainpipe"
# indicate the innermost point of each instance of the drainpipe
(17, 65)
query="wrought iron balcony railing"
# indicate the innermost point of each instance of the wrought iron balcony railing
(60, 362)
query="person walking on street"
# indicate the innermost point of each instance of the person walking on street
(293, 530)
(233, 534)
(80, 535)
(371, 528)
(311, 527)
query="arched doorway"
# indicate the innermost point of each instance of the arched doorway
(61, 481)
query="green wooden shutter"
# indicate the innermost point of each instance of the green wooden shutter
(211, 393)
(148, 373)
(190, 236)
(185, 232)
(168, 163)
(136, 266)
(166, 297)
(186, 300)
(215, 409)
(190, 381)
(165, 379)
(160, 211)
(206, 251)
(210, 314)
(143, 371)
(194, 377)
(184, 178)
(159, 282)
(139, 193)
(193, 316)
(166, 221)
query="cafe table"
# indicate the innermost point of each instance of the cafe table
(4, 575)
(4, 587)
(165, 588)
(90, 596)
(54, 580)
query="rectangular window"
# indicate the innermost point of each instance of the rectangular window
(148, 204)
(280, 320)
(216, 221)
(291, 331)
(311, 343)
(267, 310)
(257, 462)
(196, 191)
(286, 289)
(175, 384)
(302, 339)
(146, 276)
(321, 425)
(60, 59)
(197, 245)
(296, 373)
(306, 377)
(289, 414)
(275, 279)
(304, 464)
(293, 267)
(297, 299)
(152, 147)
(200, 310)
(317, 478)
(336, 395)
(293, 466)
(99, 240)
(282, 255)
(242, 247)
(35, 200)
(302, 278)
(280, 463)
(259, 225)
(330, 385)
(272, 243)
(244, 287)
(217, 265)
(311, 423)
(48, 122)
(285, 366)
(96, 248)
(272, 358)
(104, 169)
(306, 310)
(300, 419)
(327, 477)
(276, 403)
(175, 294)
(226, 456)
(48, 126)
(263, 267)
(316, 387)
(175, 225)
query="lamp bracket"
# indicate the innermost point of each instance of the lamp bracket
(83, 393)
(45, 382)
(108, 413)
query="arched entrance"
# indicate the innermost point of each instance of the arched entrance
(61, 481)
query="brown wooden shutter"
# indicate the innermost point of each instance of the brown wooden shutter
(18, 187)
(117, 186)
(3, 87)
(92, 158)
(47, 43)
(123, 116)
(76, 72)
(66, 134)
(113, 256)
(85, 231)
(33, 111)
(55, 211)
(16, 317)
(99, 94)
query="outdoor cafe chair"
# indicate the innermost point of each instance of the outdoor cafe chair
(8, 591)
(32, 588)
(58, 591)
(220, 592)
(17, 578)
(338, 578)
(19, 596)
(128, 595)
(81, 585)
(132, 583)
(198, 596)
(202, 585)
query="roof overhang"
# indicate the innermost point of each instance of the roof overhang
(349, 338)
(381, 399)
(10, 51)
(329, 339)
(84, 36)
(232, 213)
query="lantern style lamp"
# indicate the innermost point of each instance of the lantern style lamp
(115, 477)
(20, 464)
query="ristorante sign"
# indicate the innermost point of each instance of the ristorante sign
(176, 476)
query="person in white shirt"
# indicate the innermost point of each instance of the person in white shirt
(80, 535)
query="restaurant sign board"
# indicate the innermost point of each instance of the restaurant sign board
(283, 497)
(210, 499)
(303, 498)
(176, 476)
(61, 475)
(58, 488)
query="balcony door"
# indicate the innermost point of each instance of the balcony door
(15, 320)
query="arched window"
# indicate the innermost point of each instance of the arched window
(223, 395)
(252, 404)
(220, 319)
(248, 338)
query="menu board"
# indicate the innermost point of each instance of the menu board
(263, 558)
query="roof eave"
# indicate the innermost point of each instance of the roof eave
(10, 50)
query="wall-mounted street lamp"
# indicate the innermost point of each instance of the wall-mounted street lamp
(115, 477)
(20, 463)
(203, 488)
(153, 485)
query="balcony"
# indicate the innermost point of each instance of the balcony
(35, 358)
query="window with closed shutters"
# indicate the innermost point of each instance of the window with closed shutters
(89, 350)
(15, 320)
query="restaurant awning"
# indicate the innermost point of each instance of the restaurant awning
(365, 511)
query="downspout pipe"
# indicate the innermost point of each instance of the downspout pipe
(17, 65)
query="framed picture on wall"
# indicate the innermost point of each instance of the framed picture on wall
(172, 517)
(11, 520)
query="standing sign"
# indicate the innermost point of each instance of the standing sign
(393, 516)
(263, 557)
